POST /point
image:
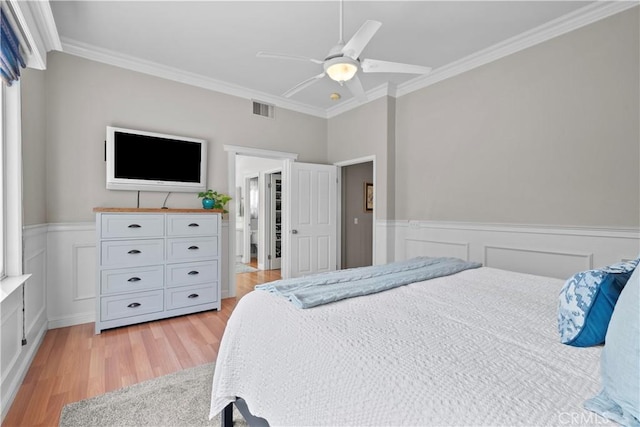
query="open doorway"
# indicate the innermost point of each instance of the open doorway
(254, 237)
(236, 154)
(309, 217)
(357, 215)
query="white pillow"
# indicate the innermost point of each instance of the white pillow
(619, 399)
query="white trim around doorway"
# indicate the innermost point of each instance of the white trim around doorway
(232, 152)
(340, 165)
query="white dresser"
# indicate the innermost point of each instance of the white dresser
(156, 263)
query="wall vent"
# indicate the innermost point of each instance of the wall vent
(262, 109)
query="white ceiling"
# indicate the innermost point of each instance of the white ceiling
(215, 42)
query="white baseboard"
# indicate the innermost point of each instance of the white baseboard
(75, 319)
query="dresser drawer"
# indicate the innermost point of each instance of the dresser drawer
(132, 252)
(194, 248)
(116, 226)
(190, 295)
(191, 273)
(192, 225)
(131, 279)
(129, 305)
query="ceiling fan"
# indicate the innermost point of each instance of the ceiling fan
(343, 62)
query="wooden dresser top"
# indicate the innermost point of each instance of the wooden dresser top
(157, 210)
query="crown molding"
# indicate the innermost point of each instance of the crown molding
(43, 16)
(557, 27)
(36, 22)
(584, 16)
(106, 56)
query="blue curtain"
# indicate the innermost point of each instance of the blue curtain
(10, 57)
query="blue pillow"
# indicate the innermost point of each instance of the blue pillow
(587, 301)
(619, 399)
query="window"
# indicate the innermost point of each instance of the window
(14, 51)
(11, 276)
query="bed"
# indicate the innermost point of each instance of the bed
(478, 347)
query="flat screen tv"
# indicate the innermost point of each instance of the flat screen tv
(148, 161)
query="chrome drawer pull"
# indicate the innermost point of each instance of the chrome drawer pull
(134, 279)
(193, 248)
(193, 273)
(135, 226)
(193, 224)
(134, 251)
(193, 296)
(134, 305)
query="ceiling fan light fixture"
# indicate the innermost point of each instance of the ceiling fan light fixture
(341, 69)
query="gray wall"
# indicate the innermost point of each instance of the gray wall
(549, 135)
(34, 195)
(83, 97)
(357, 239)
(362, 132)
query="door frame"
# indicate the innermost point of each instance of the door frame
(232, 152)
(340, 165)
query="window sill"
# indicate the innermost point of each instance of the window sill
(10, 284)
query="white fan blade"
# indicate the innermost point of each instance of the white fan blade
(286, 56)
(297, 88)
(354, 47)
(376, 66)
(355, 86)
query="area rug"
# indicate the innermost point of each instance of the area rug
(180, 399)
(244, 268)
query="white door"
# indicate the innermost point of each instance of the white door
(312, 219)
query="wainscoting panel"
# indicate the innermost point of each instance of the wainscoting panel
(11, 334)
(35, 290)
(433, 248)
(71, 273)
(544, 263)
(16, 357)
(10, 349)
(543, 250)
(84, 271)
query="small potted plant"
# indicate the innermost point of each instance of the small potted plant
(214, 200)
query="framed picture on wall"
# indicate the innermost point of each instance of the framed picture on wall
(368, 197)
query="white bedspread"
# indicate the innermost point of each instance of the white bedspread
(480, 347)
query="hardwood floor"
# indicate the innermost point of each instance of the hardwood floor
(73, 363)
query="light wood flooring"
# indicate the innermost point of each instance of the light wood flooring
(73, 363)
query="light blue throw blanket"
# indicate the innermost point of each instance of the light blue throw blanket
(311, 291)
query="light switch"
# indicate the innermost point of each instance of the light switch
(355, 221)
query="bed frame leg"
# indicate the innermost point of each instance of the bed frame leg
(226, 417)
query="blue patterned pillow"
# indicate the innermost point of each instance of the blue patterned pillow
(587, 301)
